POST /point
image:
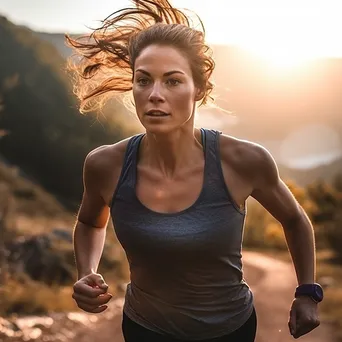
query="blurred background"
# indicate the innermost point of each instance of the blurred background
(278, 82)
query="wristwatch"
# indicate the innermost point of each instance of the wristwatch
(315, 291)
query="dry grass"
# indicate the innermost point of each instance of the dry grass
(22, 295)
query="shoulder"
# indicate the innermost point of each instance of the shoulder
(250, 159)
(105, 158)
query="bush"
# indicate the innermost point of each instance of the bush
(333, 235)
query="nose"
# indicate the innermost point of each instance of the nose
(156, 94)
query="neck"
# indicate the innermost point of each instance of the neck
(169, 152)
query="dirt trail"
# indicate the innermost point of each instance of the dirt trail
(272, 282)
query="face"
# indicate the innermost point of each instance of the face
(163, 89)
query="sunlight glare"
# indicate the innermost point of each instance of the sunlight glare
(285, 42)
(284, 34)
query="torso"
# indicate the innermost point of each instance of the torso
(173, 195)
(185, 235)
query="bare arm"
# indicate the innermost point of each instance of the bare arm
(273, 194)
(90, 228)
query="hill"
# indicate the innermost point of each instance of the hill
(325, 172)
(45, 136)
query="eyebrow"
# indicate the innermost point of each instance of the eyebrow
(165, 74)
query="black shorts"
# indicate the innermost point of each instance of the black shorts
(134, 332)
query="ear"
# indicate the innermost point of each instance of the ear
(199, 94)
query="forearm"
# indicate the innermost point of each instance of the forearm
(301, 243)
(88, 248)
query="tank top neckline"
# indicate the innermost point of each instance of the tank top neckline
(204, 179)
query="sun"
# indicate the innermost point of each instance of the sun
(283, 57)
(284, 46)
(285, 33)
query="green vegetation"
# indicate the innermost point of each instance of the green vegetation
(46, 135)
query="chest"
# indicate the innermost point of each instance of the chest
(169, 195)
(164, 195)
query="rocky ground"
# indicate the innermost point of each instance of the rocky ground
(272, 282)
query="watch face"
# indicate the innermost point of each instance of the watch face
(319, 292)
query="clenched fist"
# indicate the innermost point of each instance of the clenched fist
(303, 316)
(90, 293)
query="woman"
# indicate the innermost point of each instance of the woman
(176, 193)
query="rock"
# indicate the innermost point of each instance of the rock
(36, 257)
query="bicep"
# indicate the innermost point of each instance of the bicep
(93, 211)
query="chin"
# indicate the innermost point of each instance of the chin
(159, 127)
(165, 125)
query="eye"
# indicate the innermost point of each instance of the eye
(143, 81)
(173, 82)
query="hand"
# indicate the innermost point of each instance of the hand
(90, 293)
(303, 316)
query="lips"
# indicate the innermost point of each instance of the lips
(156, 113)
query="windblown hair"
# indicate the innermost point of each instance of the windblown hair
(108, 54)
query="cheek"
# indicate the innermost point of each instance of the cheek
(184, 98)
(138, 97)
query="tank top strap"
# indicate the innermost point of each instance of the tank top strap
(212, 153)
(214, 187)
(128, 172)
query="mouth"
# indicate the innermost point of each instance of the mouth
(156, 113)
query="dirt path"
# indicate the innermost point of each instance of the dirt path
(271, 281)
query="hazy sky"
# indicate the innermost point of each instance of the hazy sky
(284, 30)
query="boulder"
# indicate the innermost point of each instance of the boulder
(36, 257)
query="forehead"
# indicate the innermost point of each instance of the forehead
(159, 58)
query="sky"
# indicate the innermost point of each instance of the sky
(284, 31)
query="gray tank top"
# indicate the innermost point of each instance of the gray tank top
(186, 269)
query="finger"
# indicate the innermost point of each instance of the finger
(100, 300)
(100, 309)
(292, 322)
(88, 290)
(92, 309)
(305, 327)
(97, 280)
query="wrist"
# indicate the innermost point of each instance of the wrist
(84, 273)
(314, 291)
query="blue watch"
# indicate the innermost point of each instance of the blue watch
(315, 291)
